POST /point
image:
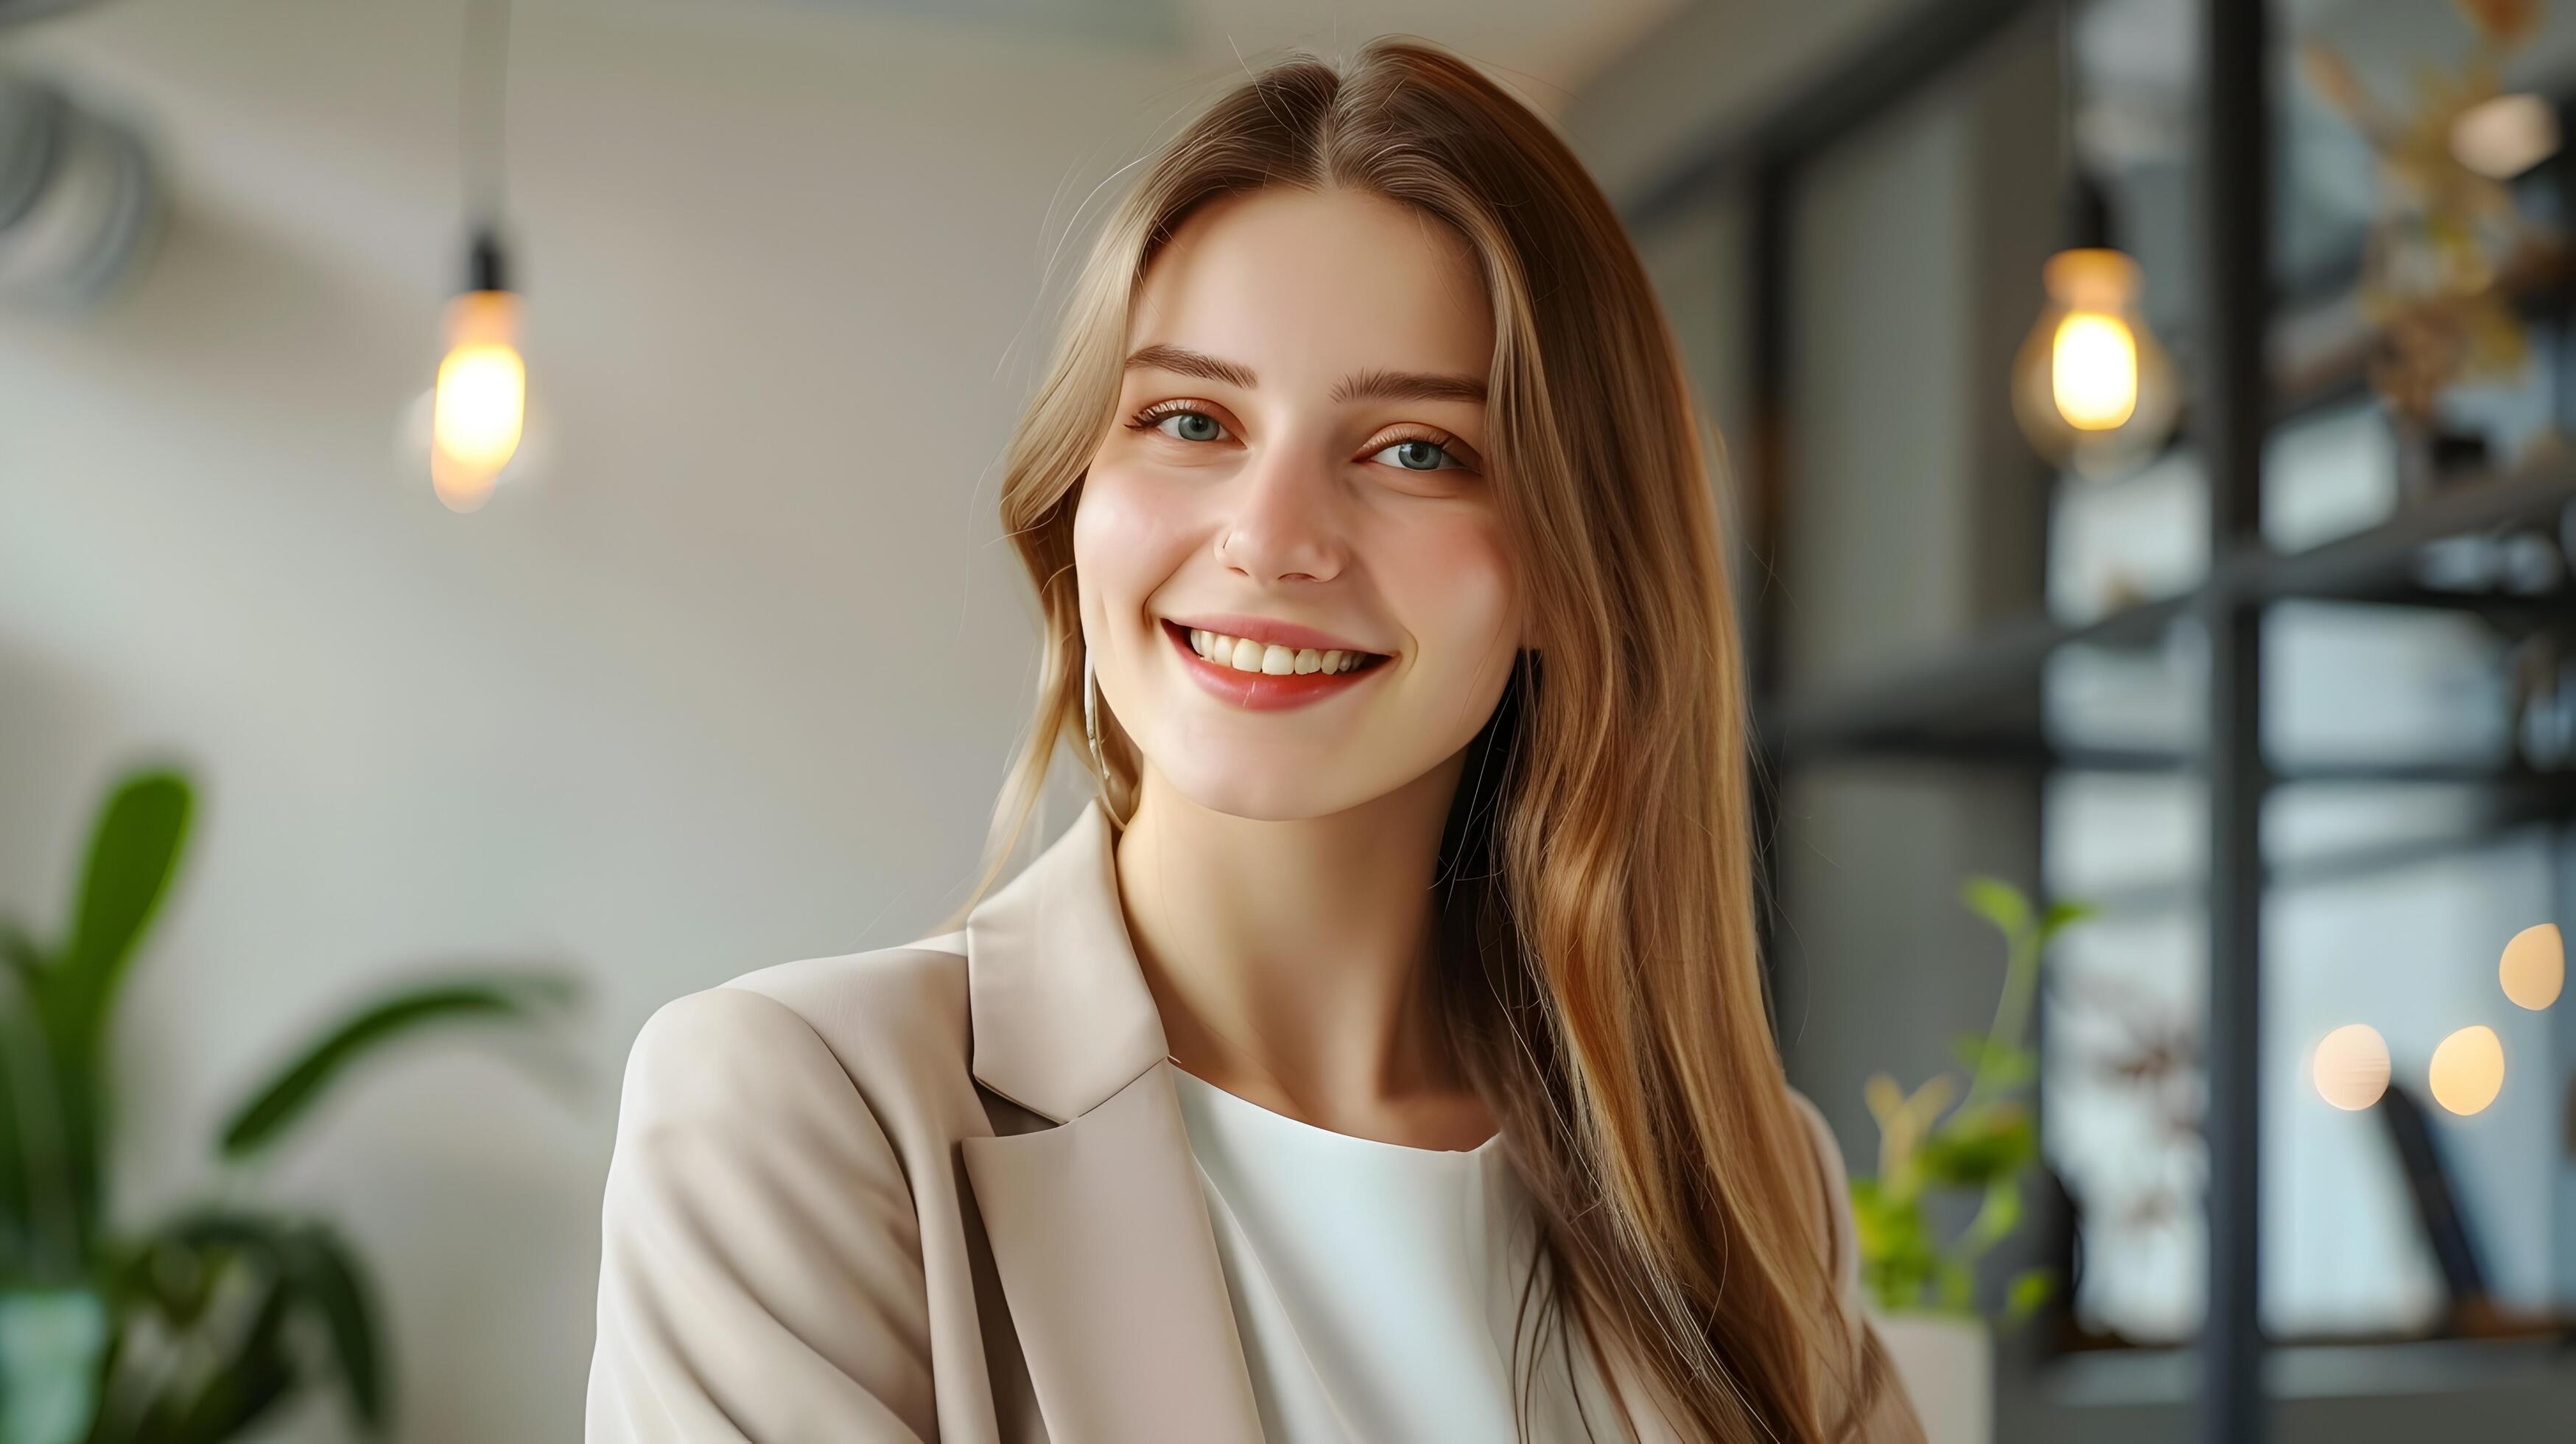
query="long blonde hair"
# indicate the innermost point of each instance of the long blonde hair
(1598, 962)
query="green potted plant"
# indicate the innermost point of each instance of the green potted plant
(1941, 1153)
(199, 1324)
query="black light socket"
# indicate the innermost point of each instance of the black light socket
(484, 268)
(2088, 212)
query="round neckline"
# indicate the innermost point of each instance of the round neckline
(1270, 1117)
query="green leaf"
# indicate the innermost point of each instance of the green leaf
(134, 849)
(308, 1268)
(2003, 1065)
(1972, 1149)
(1998, 902)
(1896, 1254)
(172, 1277)
(1897, 1284)
(259, 1371)
(50, 1346)
(48, 1180)
(276, 1107)
(18, 1240)
(21, 956)
(2062, 915)
(1997, 1214)
(211, 1229)
(20, 1036)
(1884, 1226)
(330, 1277)
(53, 1191)
(2028, 1290)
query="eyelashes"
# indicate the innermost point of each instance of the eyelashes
(1435, 443)
(1152, 417)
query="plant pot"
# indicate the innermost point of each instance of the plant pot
(50, 1344)
(1947, 1363)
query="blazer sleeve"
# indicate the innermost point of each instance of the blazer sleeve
(1891, 1420)
(760, 1265)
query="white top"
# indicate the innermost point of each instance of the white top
(1375, 1285)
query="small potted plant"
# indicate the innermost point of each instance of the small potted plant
(201, 1324)
(1942, 1152)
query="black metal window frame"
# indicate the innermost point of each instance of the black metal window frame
(1916, 707)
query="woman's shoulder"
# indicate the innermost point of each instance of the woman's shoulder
(781, 1157)
(884, 1021)
(1884, 1412)
(1841, 1235)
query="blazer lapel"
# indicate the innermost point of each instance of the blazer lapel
(1101, 1237)
(1098, 1227)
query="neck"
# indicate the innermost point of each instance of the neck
(1292, 961)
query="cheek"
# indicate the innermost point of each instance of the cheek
(1126, 537)
(1457, 593)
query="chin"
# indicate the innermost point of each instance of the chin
(1258, 794)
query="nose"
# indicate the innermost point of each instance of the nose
(1285, 520)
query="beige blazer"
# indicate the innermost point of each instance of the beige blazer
(935, 1192)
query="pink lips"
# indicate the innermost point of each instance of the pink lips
(1265, 691)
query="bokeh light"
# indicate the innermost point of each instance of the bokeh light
(2505, 135)
(2534, 966)
(2351, 1066)
(2468, 1070)
(2094, 371)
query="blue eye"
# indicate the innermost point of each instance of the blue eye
(1188, 427)
(1428, 453)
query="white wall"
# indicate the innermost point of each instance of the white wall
(734, 686)
(734, 683)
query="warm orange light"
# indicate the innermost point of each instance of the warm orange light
(2534, 966)
(479, 408)
(2091, 387)
(2351, 1067)
(2468, 1070)
(2093, 371)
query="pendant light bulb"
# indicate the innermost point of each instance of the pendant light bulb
(2092, 389)
(479, 408)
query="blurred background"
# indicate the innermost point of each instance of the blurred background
(496, 532)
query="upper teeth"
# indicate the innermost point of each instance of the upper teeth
(1246, 655)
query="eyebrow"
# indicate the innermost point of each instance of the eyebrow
(1358, 386)
(1410, 386)
(1186, 362)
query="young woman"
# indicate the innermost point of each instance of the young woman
(1381, 1056)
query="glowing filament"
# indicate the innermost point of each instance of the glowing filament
(2093, 371)
(481, 404)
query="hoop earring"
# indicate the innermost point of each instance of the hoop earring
(1091, 724)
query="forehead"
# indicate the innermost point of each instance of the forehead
(1311, 285)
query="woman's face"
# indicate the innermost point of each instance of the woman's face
(1298, 466)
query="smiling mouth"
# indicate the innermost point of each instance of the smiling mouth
(1269, 660)
(1261, 689)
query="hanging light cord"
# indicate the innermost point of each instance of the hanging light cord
(482, 108)
(2086, 219)
(2068, 161)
